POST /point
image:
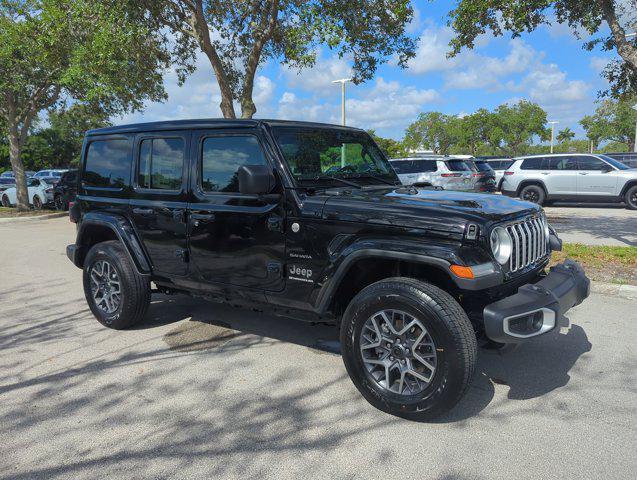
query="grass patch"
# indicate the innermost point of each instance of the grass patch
(602, 263)
(11, 212)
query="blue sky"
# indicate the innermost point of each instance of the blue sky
(548, 67)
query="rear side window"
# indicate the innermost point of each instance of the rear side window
(562, 163)
(222, 157)
(161, 162)
(414, 166)
(457, 166)
(534, 163)
(107, 164)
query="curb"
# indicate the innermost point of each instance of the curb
(625, 291)
(33, 218)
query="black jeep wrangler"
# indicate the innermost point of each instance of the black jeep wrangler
(310, 221)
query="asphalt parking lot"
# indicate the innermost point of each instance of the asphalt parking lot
(208, 391)
(598, 224)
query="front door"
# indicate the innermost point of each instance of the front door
(159, 200)
(235, 239)
(594, 178)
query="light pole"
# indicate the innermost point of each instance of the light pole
(634, 34)
(343, 81)
(553, 123)
(635, 145)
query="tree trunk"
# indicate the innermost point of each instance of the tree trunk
(15, 155)
(202, 34)
(625, 48)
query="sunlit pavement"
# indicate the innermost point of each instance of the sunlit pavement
(208, 391)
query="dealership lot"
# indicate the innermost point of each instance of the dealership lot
(202, 390)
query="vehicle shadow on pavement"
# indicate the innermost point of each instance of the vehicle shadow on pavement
(530, 370)
(622, 229)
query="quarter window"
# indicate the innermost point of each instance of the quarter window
(108, 164)
(534, 163)
(161, 162)
(222, 157)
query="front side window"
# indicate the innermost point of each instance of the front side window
(108, 164)
(223, 156)
(323, 154)
(161, 162)
(590, 163)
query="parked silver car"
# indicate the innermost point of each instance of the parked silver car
(499, 165)
(571, 177)
(440, 171)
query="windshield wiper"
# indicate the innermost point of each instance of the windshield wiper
(338, 179)
(375, 177)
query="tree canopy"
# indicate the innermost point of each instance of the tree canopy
(614, 121)
(238, 37)
(100, 53)
(472, 18)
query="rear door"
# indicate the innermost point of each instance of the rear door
(560, 177)
(594, 178)
(159, 200)
(458, 177)
(235, 239)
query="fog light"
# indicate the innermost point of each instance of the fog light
(537, 321)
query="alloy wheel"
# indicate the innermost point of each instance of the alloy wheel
(398, 352)
(531, 196)
(105, 286)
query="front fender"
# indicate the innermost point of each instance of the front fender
(437, 255)
(121, 227)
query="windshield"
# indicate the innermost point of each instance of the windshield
(615, 163)
(316, 154)
(483, 167)
(457, 166)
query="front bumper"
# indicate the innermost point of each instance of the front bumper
(537, 307)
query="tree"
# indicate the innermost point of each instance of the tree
(434, 131)
(101, 53)
(565, 135)
(515, 126)
(390, 147)
(472, 18)
(614, 121)
(238, 37)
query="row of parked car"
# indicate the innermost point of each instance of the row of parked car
(536, 178)
(52, 188)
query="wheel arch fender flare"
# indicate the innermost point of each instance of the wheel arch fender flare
(526, 183)
(627, 186)
(331, 287)
(93, 227)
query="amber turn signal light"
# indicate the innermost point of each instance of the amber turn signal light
(462, 272)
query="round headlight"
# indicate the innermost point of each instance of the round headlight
(501, 245)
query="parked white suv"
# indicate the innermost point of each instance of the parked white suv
(571, 177)
(440, 171)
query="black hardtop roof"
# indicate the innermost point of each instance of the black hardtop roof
(204, 123)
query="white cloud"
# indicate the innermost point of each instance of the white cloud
(598, 64)
(386, 105)
(431, 52)
(318, 78)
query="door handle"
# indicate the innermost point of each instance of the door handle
(198, 218)
(545, 173)
(143, 211)
(583, 173)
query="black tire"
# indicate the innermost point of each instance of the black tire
(60, 204)
(37, 203)
(631, 198)
(5, 201)
(134, 288)
(534, 194)
(451, 332)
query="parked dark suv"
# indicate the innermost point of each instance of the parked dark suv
(310, 221)
(65, 190)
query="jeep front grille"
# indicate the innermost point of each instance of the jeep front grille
(529, 242)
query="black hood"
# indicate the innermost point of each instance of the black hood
(441, 210)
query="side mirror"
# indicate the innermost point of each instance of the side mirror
(256, 179)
